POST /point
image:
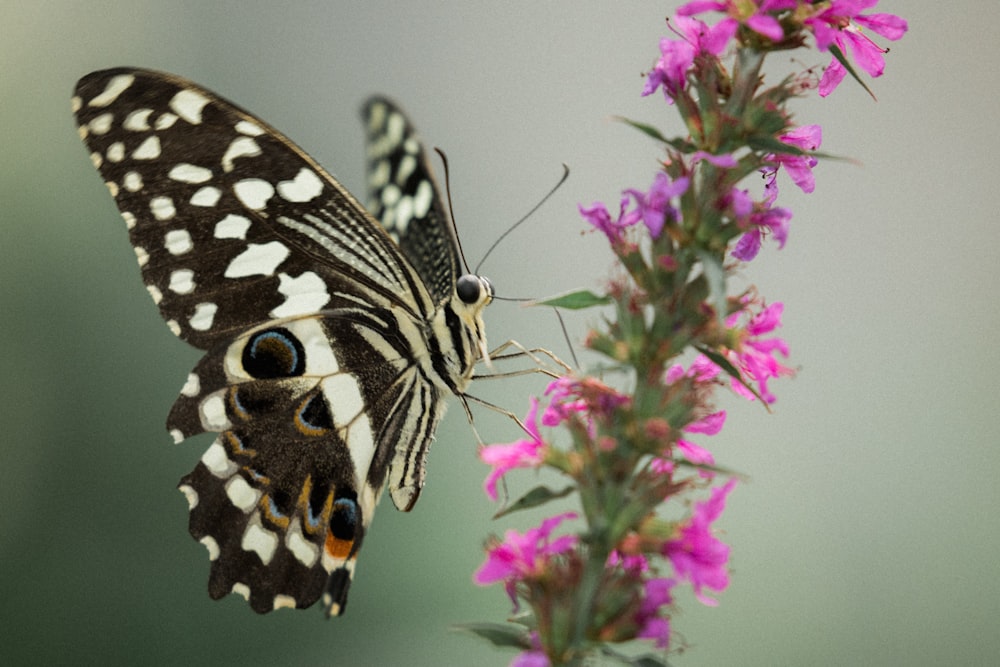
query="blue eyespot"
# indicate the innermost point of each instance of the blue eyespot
(274, 353)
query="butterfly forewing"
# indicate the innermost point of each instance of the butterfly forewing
(231, 222)
(402, 194)
(330, 347)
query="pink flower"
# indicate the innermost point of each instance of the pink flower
(586, 396)
(654, 208)
(532, 658)
(677, 56)
(525, 453)
(520, 556)
(599, 216)
(707, 425)
(841, 24)
(697, 555)
(799, 167)
(764, 221)
(755, 355)
(753, 15)
(651, 624)
(700, 370)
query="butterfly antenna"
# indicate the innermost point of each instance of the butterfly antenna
(451, 209)
(569, 343)
(525, 216)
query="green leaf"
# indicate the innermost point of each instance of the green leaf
(577, 300)
(648, 130)
(498, 634)
(839, 55)
(682, 145)
(537, 496)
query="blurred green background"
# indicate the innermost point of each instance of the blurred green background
(869, 533)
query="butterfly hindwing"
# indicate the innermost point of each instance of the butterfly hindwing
(329, 346)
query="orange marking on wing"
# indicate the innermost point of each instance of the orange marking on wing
(338, 548)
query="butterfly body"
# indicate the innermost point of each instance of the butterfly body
(332, 338)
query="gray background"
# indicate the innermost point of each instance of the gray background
(869, 531)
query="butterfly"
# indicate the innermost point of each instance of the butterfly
(332, 333)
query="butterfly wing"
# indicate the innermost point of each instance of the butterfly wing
(403, 195)
(318, 377)
(231, 222)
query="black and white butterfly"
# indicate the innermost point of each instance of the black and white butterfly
(331, 339)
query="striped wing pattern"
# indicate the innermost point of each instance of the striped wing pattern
(330, 343)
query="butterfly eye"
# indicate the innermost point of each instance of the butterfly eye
(469, 288)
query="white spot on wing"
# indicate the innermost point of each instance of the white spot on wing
(175, 329)
(129, 219)
(306, 186)
(206, 196)
(406, 167)
(212, 546)
(241, 494)
(379, 175)
(116, 152)
(97, 159)
(75, 103)
(390, 195)
(258, 539)
(112, 188)
(132, 181)
(284, 601)
(166, 121)
(138, 120)
(148, 149)
(204, 313)
(188, 104)
(162, 208)
(257, 259)
(115, 87)
(178, 241)
(246, 127)
(182, 281)
(422, 199)
(304, 551)
(102, 123)
(240, 147)
(190, 173)
(404, 213)
(376, 117)
(192, 387)
(304, 294)
(253, 193)
(232, 227)
(190, 494)
(394, 128)
(176, 434)
(141, 255)
(217, 462)
(155, 292)
(242, 590)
